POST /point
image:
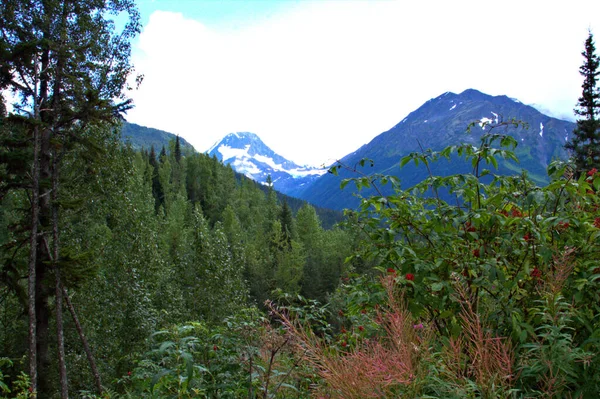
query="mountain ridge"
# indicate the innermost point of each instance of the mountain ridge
(443, 121)
(145, 137)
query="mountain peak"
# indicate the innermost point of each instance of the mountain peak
(249, 155)
(466, 95)
(244, 135)
(238, 140)
(472, 93)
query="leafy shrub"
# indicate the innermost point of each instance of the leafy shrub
(504, 274)
(245, 357)
(20, 385)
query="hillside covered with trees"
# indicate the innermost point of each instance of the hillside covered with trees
(153, 240)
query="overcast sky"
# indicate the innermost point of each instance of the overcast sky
(318, 79)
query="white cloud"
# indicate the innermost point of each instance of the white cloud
(317, 81)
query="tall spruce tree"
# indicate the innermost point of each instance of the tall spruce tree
(286, 219)
(177, 150)
(68, 67)
(157, 188)
(585, 143)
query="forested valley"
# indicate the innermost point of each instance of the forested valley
(150, 241)
(161, 273)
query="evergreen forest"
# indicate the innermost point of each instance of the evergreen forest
(161, 273)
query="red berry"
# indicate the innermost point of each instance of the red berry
(536, 273)
(410, 276)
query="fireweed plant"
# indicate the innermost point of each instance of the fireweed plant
(496, 293)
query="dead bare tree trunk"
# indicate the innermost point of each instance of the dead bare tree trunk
(86, 347)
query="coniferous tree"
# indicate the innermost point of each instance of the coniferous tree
(287, 223)
(157, 189)
(177, 167)
(177, 150)
(585, 143)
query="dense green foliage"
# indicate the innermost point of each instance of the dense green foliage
(156, 244)
(66, 66)
(492, 295)
(144, 139)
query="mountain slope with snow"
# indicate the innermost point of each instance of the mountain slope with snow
(247, 154)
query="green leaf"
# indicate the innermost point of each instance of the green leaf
(156, 378)
(189, 364)
(289, 386)
(523, 336)
(435, 287)
(166, 345)
(405, 160)
(202, 369)
(494, 162)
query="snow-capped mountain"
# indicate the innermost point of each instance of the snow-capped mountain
(247, 154)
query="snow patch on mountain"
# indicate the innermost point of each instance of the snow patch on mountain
(495, 117)
(302, 172)
(247, 168)
(484, 121)
(227, 152)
